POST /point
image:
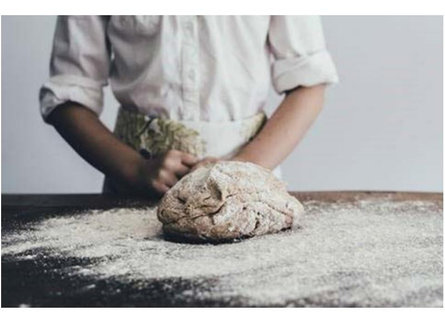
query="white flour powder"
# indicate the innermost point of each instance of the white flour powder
(368, 253)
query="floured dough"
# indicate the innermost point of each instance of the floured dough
(225, 201)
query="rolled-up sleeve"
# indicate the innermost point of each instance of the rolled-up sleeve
(79, 64)
(300, 55)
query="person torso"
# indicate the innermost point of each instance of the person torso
(192, 68)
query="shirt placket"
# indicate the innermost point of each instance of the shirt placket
(190, 78)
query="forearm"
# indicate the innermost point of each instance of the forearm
(285, 128)
(82, 129)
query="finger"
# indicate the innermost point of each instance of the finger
(173, 159)
(204, 161)
(160, 187)
(181, 170)
(188, 159)
(170, 159)
(195, 167)
(210, 160)
(173, 153)
(168, 178)
(176, 167)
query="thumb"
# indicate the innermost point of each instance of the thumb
(188, 159)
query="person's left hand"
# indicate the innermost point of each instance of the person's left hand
(205, 161)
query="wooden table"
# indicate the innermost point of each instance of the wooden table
(25, 283)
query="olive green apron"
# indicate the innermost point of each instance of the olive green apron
(155, 136)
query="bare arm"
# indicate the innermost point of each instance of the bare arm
(82, 129)
(285, 128)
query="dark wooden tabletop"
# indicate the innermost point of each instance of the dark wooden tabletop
(31, 206)
(99, 200)
(26, 282)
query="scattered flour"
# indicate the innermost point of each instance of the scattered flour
(367, 253)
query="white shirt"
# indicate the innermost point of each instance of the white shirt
(193, 68)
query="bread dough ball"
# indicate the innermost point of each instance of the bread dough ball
(225, 201)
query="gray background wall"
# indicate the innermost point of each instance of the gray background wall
(381, 128)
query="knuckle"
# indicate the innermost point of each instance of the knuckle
(169, 163)
(155, 184)
(158, 186)
(158, 174)
(187, 156)
(172, 153)
(162, 174)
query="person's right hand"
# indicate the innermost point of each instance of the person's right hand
(162, 172)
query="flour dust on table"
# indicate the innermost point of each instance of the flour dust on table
(366, 253)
